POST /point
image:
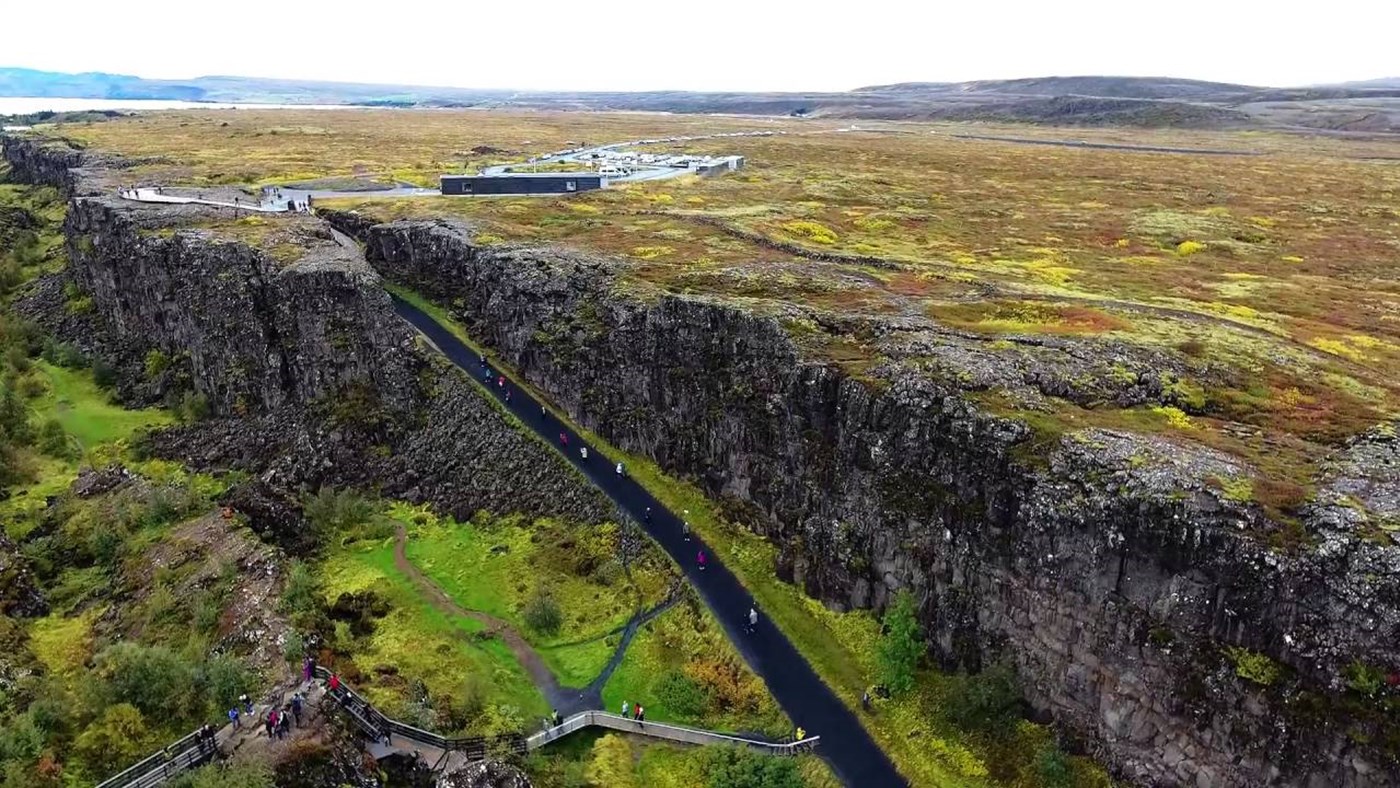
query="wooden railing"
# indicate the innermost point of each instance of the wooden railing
(194, 749)
(380, 727)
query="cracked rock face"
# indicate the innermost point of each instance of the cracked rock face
(1110, 570)
(485, 774)
(20, 596)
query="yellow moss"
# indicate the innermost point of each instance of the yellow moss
(1337, 348)
(811, 231)
(1188, 248)
(651, 252)
(1175, 417)
(63, 645)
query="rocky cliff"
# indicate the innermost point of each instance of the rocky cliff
(1142, 607)
(292, 346)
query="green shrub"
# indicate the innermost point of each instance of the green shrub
(680, 694)
(104, 374)
(154, 679)
(116, 740)
(54, 442)
(191, 407)
(901, 645)
(63, 354)
(812, 231)
(1253, 666)
(988, 702)
(1365, 679)
(156, 363)
(611, 763)
(732, 767)
(301, 599)
(542, 614)
(1054, 769)
(337, 512)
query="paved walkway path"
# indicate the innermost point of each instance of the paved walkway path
(846, 745)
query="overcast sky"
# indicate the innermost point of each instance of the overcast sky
(709, 45)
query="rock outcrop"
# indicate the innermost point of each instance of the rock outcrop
(1135, 598)
(309, 377)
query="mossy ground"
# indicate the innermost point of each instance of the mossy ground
(496, 565)
(416, 644)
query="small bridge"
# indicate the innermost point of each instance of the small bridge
(664, 730)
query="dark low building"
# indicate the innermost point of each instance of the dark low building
(523, 183)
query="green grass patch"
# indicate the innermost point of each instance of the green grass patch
(85, 411)
(424, 646)
(498, 565)
(64, 644)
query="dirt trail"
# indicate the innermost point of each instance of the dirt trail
(566, 699)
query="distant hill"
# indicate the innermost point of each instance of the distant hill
(1104, 87)
(1371, 106)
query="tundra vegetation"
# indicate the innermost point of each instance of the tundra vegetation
(1267, 281)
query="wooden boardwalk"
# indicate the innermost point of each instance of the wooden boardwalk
(663, 730)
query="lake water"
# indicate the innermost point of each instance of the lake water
(24, 105)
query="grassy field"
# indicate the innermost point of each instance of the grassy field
(86, 412)
(497, 565)
(417, 645)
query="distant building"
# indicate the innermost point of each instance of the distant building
(719, 166)
(523, 183)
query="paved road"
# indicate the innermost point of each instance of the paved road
(810, 703)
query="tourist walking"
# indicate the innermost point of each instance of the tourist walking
(284, 724)
(334, 684)
(233, 718)
(625, 708)
(646, 516)
(308, 669)
(685, 529)
(564, 439)
(700, 560)
(641, 713)
(270, 721)
(583, 453)
(296, 707)
(753, 620)
(620, 471)
(556, 719)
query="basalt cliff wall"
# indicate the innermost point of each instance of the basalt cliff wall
(308, 375)
(1132, 596)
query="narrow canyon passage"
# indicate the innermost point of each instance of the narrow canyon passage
(807, 700)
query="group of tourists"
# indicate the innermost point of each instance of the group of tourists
(637, 713)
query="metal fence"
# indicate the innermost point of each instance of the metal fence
(194, 749)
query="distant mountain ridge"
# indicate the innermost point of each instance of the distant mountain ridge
(1372, 106)
(1098, 86)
